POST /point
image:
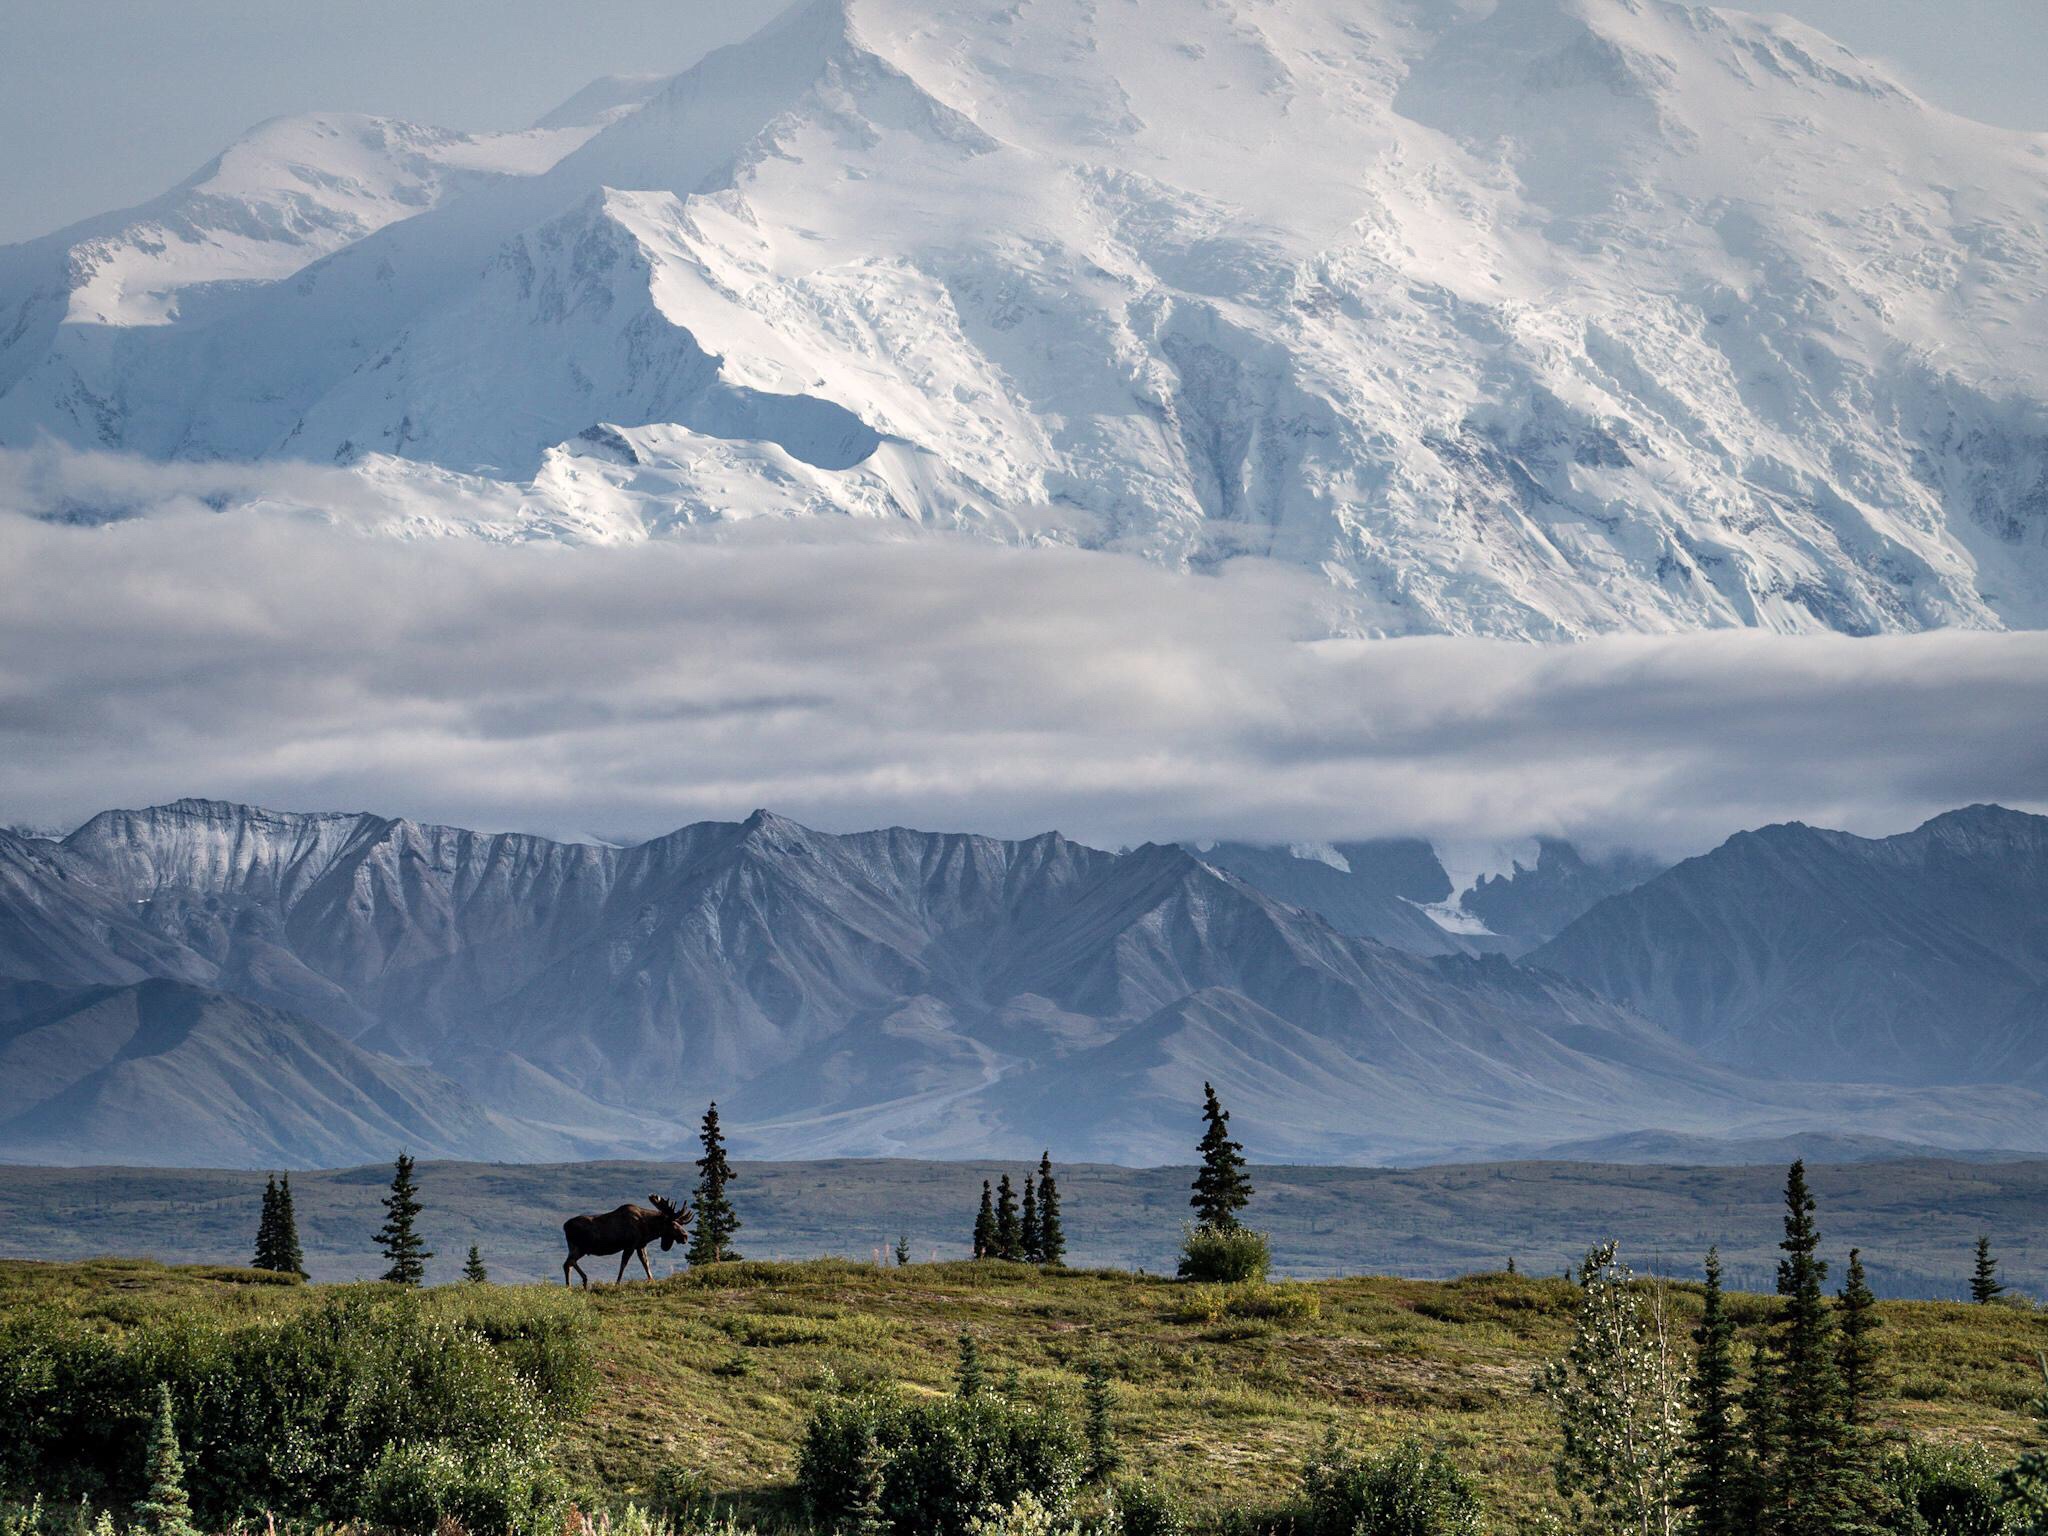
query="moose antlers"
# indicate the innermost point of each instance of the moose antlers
(668, 1207)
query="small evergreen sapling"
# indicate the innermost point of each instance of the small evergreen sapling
(473, 1267)
(2025, 1484)
(972, 1380)
(1984, 1283)
(903, 1250)
(717, 1221)
(1858, 1353)
(1100, 1429)
(403, 1249)
(1221, 1187)
(1052, 1238)
(164, 1510)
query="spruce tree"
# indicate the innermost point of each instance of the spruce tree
(473, 1267)
(1712, 1488)
(1007, 1236)
(401, 1242)
(1103, 1457)
(903, 1250)
(972, 1381)
(1858, 1353)
(1811, 1486)
(985, 1225)
(1052, 1238)
(711, 1242)
(1756, 1466)
(1221, 1187)
(1984, 1284)
(266, 1228)
(164, 1510)
(291, 1258)
(1027, 1232)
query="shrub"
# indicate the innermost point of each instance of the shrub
(1253, 1300)
(1142, 1510)
(496, 1490)
(1942, 1491)
(293, 1417)
(945, 1462)
(1406, 1491)
(1229, 1256)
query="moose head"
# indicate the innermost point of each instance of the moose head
(675, 1221)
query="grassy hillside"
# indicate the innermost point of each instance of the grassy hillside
(1916, 1221)
(714, 1371)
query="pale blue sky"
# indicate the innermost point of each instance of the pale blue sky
(104, 103)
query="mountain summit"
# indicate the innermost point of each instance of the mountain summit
(1542, 319)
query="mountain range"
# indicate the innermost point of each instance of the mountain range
(1537, 319)
(206, 982)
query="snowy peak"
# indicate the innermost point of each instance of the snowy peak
(1539, 320)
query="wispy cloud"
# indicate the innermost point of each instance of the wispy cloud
(850, 679)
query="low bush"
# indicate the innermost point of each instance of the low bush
(1406, 1491)
(1228, 1256)
(299, 1417)
(422, 1487)
(934, 1466)
(1143, 1510)
(1249, 1301)
(1942, 1490)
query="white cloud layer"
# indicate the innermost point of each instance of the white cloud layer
(853, 677)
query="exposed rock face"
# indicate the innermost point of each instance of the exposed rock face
(1920, 958)
(877, 992)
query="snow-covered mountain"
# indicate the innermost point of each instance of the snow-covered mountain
(1534, 318)
(889, 992)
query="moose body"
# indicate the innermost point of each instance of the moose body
(626, 1231)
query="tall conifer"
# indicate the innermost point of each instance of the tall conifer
(1984, 1284)
(1027, 1232)
(1007, 1236)
(1712, 1488)
(1052, 1238)
(291, 1258)
(1221, 1188)
(266, 1228)
(1860, 1362)
(717, 1221)
(403, 1248)
(985, 1225)
(1812, 1484)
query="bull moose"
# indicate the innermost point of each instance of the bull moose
(626, 1231)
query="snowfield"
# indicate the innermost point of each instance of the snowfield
(1537, 319)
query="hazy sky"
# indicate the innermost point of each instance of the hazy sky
(104, 103)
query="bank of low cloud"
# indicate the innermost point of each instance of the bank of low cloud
(853, 678)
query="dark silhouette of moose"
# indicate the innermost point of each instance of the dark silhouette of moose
(626, 1232)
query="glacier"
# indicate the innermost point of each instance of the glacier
(1537, 319)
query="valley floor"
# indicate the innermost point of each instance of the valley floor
(1916, 1221)
(714, 1370)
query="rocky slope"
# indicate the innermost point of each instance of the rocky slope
(162, 1073)
(890, 991)
(1920, 958)
(1541, 319)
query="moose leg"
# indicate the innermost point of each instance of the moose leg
(624, 1259)
(570, 1263)
(643, 1263)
